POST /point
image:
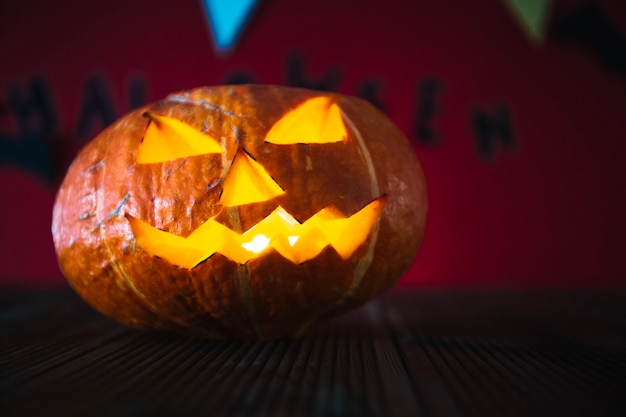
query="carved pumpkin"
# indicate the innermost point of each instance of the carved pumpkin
(240, 211)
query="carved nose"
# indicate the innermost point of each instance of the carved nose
(248, 182)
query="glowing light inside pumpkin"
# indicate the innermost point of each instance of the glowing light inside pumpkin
(167, 138)
(296, 241)
(317, 120)
(257, 244)
(247, 182)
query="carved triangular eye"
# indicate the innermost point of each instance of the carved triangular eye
(247, 182)
(317, 120)
(167, 138)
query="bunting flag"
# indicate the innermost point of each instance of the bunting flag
(533, 16)
(227, 19)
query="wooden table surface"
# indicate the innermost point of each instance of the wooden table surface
(408, 353)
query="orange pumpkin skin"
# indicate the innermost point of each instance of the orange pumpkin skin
(268, 296)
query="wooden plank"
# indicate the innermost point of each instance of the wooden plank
(406, 354)
(348, 367)
(512, 353)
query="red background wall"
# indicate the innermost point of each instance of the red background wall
(543, 203)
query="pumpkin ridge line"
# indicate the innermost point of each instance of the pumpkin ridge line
(364, 263)
(242, 277)
(375, 189)
(121, 276)
(244, 292)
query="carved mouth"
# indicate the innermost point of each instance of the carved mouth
(297, 242)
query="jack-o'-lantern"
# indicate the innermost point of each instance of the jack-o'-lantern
(240, 211)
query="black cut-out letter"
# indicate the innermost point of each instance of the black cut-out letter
(296, 75)
(137, 92)
(238, 78)
(96, 106)
(370, 91)
(427, 109)
(491, 129)
(35, 121)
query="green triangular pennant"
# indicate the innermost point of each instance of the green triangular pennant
(532, 15)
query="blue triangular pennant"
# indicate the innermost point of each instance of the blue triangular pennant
(227, 19)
